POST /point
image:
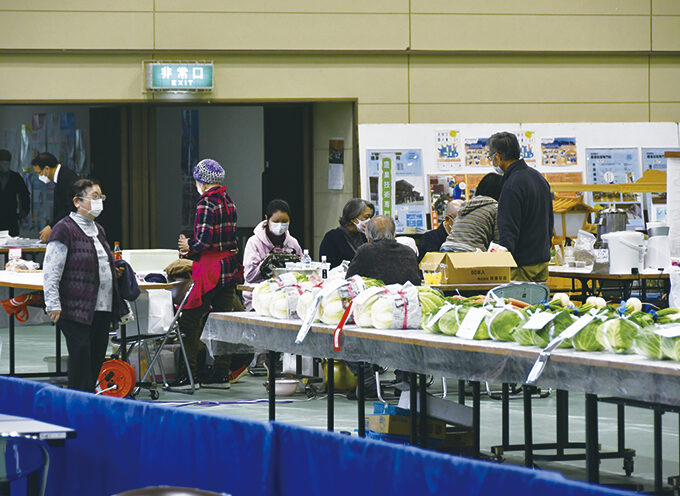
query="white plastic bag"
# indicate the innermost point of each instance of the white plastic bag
(161, 311)
(674, 296)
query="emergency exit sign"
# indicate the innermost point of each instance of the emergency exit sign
(177, 76)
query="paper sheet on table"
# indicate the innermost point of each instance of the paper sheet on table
(336, 176)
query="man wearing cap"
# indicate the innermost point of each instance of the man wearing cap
(49, 170)
(13, 194)
(216, 269)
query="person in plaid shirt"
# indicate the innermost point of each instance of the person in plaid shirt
(216, 269)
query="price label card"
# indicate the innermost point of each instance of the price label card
(672, 331)
(14, 253)
(577, 326)
(539, 320)
(471, 322)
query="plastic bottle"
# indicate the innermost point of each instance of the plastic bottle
(117, 252)
(306, 259)
(324, 270)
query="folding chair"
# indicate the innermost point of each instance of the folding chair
(180, 294)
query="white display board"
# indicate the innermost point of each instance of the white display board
(556, 149)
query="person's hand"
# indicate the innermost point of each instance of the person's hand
(54, 315)
(183, 243)
(45, 234)
(119, 272)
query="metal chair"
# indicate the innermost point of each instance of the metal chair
(180, 293)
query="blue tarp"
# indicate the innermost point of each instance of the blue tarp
(126, 444)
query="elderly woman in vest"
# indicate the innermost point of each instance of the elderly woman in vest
(216, 269)
(80, 290)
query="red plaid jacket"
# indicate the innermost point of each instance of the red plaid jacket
(215, 230)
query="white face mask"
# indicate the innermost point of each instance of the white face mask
(278, 228)
(199, 188)
(44, 179)
(498, 170)
(361, 224)
(96, 207)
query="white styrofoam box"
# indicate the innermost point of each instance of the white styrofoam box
(167, 358)
(155, 260)
(448, 411)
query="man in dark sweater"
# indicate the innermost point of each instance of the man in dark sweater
(49, 170)
(433, 240)
(525, 214)
(382, 257)
(12, 188)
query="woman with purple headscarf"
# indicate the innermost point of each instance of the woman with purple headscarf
(216, 269)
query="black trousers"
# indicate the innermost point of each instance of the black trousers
(86, 349)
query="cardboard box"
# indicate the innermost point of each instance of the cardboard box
(470, 267)
(458, 441)
(401, 426)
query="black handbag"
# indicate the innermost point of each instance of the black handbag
(277, 258)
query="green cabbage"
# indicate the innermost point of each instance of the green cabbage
(648, 343)
(449, 322)
(562, 320)
(586, 338)
(502, 325)
(523, 336)
(670, 347)
(617, 335)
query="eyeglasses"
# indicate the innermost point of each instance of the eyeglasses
(490, 155)
(97, 197)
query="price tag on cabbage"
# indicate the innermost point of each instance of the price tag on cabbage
(435, 318)
(539, 320)
(471, 322)
(579, 324)
(672, 331)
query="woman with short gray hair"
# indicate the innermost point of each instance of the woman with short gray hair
(342, 242)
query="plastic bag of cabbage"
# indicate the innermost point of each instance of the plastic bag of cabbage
(503, 323)
(263, 292)
(389, 307)
(283, 303)
(334, 298)
(543, 324)
(617, 334)
(451, 320)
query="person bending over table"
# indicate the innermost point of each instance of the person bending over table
(475, 226)
(80, 293)
(269, 236)
(342, 242)
(216, 270)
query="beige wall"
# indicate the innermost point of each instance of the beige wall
(400, 60)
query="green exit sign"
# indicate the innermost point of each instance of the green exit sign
(178, 76)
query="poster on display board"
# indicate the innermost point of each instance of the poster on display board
(449, 149)
(441, 188)
(653, 158)
(615, 166)
(527, 147)
(476, 152)
(397, 187)
(558, 151)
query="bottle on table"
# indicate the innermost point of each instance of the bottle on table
(324, 269)
(117, 252)
(306, 259)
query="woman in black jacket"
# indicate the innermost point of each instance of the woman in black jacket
(342, 242)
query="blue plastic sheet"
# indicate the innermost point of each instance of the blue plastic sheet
(127, 444)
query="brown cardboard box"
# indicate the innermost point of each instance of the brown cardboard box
(401, 425)
(470, 267)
